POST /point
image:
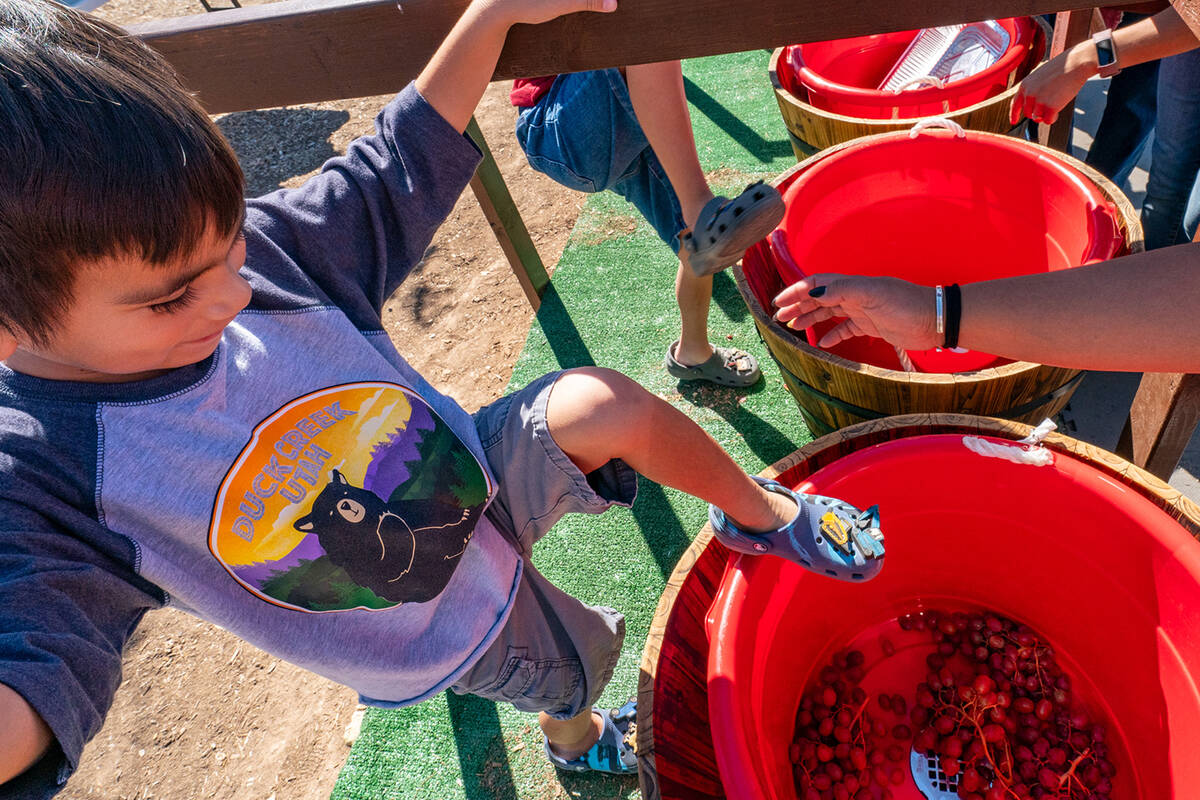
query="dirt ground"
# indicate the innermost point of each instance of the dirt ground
(200, 713)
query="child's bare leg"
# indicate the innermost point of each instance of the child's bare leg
(693, 295)
(596, 415)
(656, 91)
(571, 738)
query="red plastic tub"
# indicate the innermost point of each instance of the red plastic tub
(843, 75)
(1073, 549)
(942, 208)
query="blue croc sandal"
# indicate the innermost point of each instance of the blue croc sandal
(725, 228)
(614, 752)
(828, 536)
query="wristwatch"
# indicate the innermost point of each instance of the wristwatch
(1106, 53)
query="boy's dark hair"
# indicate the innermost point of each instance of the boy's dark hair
(102, 153)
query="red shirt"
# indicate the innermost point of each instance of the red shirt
(527, 91)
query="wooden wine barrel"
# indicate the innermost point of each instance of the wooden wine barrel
(811, 129)
(833, 392)
(676, 755)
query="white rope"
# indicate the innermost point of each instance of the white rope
(1027, 451)
(920, 83)
(937, 122)
(905, 362)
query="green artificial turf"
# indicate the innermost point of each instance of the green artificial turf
(611, 303)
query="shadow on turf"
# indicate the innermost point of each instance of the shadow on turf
(765, 440)
(483, 760)
(482, 757)
(727, 297)
(565, 342)
(765, 150)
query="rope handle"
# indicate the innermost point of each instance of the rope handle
(1027, 451)
(924, 80)
(937, 122)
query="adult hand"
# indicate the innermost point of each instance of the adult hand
(1044, 92)
(897, 311)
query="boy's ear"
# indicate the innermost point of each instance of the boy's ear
(8, 344)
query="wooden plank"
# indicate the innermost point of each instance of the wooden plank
(313, 50)
(1070, 28)
(1162, 419)
(505, 220)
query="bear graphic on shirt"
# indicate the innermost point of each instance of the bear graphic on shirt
(377, 547)
(357, 496)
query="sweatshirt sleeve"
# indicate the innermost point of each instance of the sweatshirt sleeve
(358, 227)
(67, 607)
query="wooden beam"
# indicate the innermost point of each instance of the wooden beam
(504, 218)
(313, 50)
(1070, 28)
(1162, 418)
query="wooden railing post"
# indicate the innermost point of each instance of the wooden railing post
(1162, 418)
(1070, 28)
(502, 214)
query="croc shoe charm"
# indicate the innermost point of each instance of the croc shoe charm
(827, 536)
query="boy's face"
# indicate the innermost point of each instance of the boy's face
(131, 320)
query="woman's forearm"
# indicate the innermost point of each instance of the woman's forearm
(1164, 34)
(1137, 313)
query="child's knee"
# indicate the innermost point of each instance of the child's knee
(600, 391)
(595, 411)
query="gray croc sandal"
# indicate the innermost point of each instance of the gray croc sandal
(827, 536)
(613, 752)
(727, 366)
(725, 228)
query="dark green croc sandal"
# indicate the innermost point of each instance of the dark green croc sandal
(725, 228)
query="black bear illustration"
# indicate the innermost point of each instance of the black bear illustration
(377, 547)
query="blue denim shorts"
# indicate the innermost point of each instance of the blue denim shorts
(583, 133)
(555, 654)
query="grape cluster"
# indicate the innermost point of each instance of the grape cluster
(995, 708)
(849, 746)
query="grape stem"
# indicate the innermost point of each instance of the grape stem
(1070, 773)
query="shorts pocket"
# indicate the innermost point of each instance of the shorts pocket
(551, 685)
(538, 135)
(561, 173)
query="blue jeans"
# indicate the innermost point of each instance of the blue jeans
(1172, 206)
(1127, 122)
(583, 133)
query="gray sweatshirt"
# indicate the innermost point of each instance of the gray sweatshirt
(303, 488)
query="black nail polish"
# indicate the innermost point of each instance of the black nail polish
(816, 291)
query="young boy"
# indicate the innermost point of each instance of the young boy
(629, 130)
(199, 406)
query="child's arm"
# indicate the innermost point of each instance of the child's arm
(454, 80)
(354, 231)
(24, 737)
(69, 599)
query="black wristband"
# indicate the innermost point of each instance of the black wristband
(953, 315)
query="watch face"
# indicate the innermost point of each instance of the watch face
(1104, 53)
